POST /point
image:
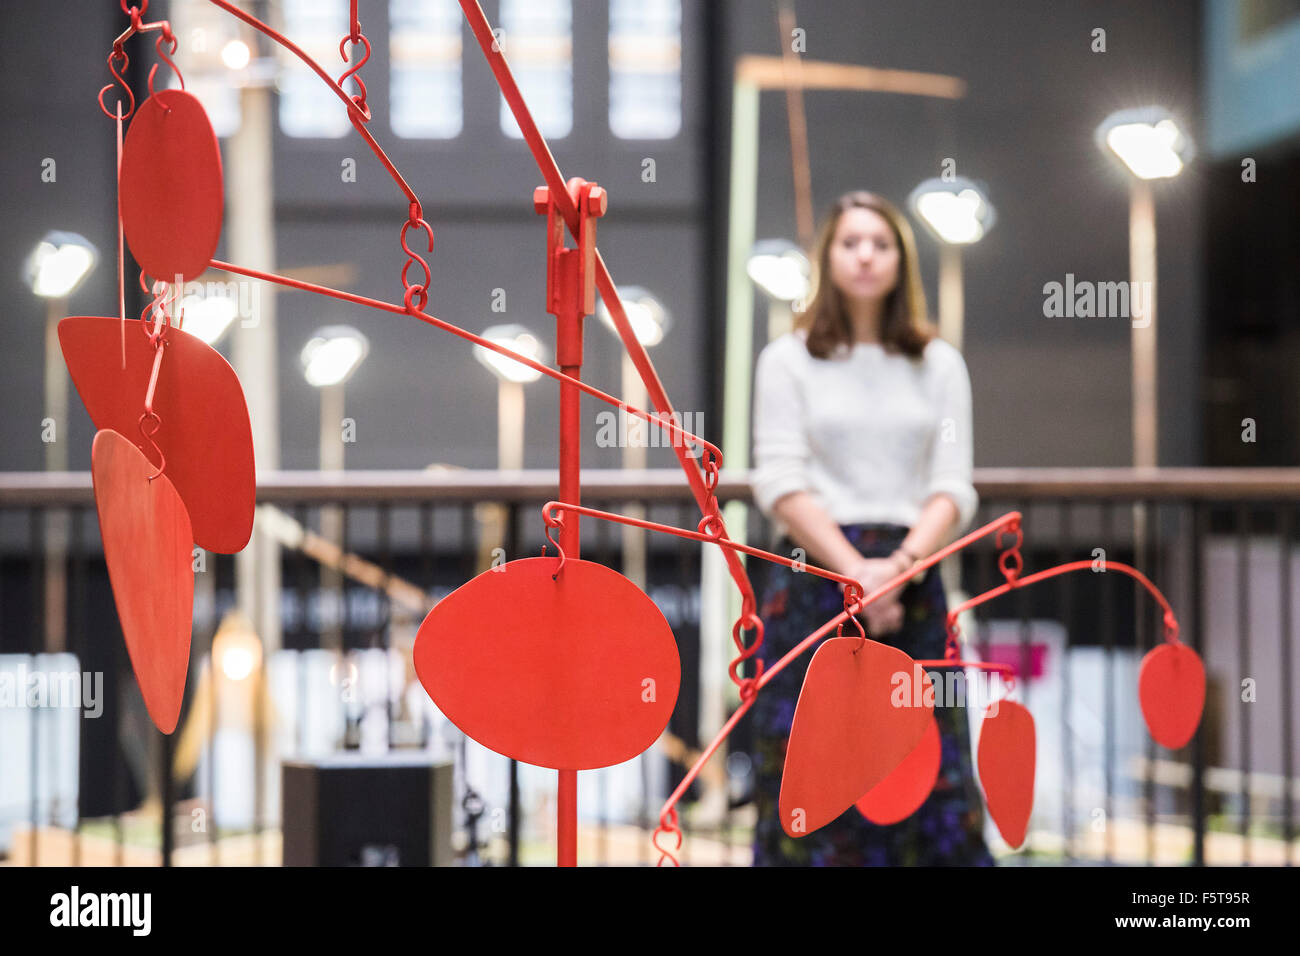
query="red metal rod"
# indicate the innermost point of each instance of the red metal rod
(692, 535)
(681, 437)
(121, 252)
(1170, 621)
(568, 328)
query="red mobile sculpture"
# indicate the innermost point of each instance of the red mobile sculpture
(590, 664)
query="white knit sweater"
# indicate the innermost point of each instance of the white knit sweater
(871, 434)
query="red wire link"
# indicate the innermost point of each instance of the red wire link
(117, 52)
(748, 621)
(852, 595)
(553, 521)
(668, 825)
(172, 42)
(358, 99)
(412, 290)
(1011, 555)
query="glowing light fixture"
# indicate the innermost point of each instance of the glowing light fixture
(649, 319)
(519, 339)
(333, 354)
(956, 211)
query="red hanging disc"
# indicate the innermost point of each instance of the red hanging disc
(147, 541)
(908, 786)
(205, 434)
(170, 193)
(1006, 763)
(847, 734)
(571, 673)
(1171, 689)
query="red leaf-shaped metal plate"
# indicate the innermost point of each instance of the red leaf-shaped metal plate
(147, 542)
(847, 734)
(573, 673)
(1006, 762)
(205, 433)
(170, 193)
(899, 795)
(1171, 689)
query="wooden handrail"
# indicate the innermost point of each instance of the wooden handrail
(20, 489)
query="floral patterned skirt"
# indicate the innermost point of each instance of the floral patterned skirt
(948, 828)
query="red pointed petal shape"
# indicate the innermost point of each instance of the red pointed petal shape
(1171, 689)
(574, 673)
(205, 433)
(899, 795)
(847, 734)
(147, 541)
(170, 193)
(1006, 762)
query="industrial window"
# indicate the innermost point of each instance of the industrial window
(425, 56)
(537, 38)
(309, 108)
(645, 68)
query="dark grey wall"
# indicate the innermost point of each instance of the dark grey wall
(1047, 391)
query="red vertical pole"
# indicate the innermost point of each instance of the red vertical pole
(570, 295)
(568, 344)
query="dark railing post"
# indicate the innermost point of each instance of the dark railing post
(1067, 738)
(1195, 617)
(1243, 669)
(168, 798)
(512, 552)
(1285, 511)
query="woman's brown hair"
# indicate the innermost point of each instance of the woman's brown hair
(905, 326)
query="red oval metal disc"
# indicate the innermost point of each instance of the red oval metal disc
(205, 433)
(847, 734)
(574, 673)
(1006, 762)
(1171, 690)
(169, 189)
(147, 541)
(908, 785)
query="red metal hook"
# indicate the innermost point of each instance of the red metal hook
(421, 290)
(116, 53)
(167, 35)
(668, 825)
(1012, 554)
(361, 110)
(553, 520)
(748, 621)
(853, 593)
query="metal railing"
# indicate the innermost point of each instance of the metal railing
(91, 788)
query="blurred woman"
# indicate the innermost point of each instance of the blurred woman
(863, 459)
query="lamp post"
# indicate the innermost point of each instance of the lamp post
(781, 271)
(511, 378)
(55, 269)
(957, 213)
(328, 360)
(1150, 145)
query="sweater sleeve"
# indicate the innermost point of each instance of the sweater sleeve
(780, 445)
(952, 461)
